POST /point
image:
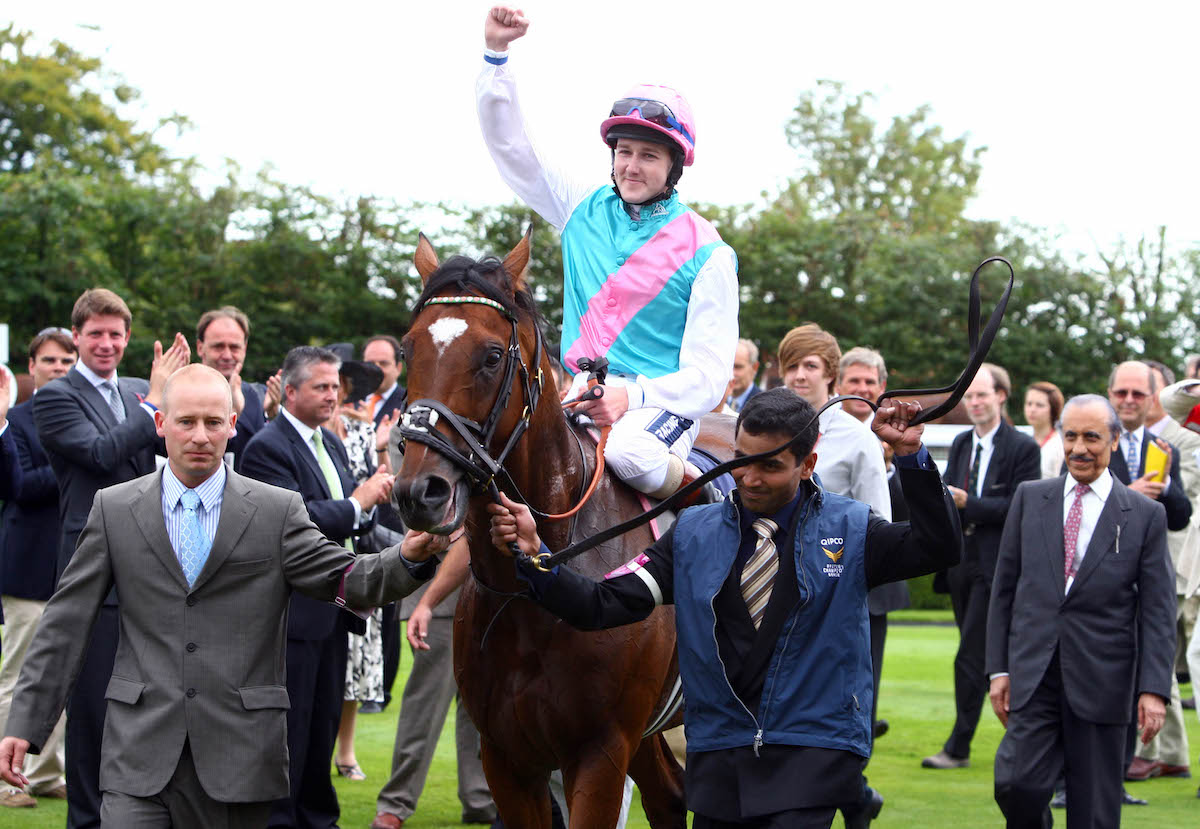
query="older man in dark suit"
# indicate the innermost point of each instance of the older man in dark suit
(986, 465)
(295, 452)
(1082, 624)
(383, 350)
(97, 430)
(29, 549)
(195, 734)
(222, 337)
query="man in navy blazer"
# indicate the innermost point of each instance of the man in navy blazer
(97, 430)
(1081, 628)
(296, 452)
(29, 550)
(383, 350)
(222, 336)
(986, 465)
(745, 369)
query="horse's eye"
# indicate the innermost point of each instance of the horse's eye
(493, 358)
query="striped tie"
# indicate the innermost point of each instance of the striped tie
(759, 573)
(113, 397)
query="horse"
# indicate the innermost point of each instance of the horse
(543, 695)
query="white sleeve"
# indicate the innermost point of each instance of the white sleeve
(706, 353)
(868, 479)
(539, 184)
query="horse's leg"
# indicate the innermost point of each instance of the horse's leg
(521, 801)
(594, 787)
(660, 780)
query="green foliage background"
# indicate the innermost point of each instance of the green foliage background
(870, 240)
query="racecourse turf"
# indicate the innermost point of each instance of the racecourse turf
(917, 700)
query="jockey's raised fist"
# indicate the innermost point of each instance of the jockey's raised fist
(503, 25)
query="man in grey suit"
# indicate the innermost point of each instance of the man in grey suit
(1082, 604)
(97, 430)
(206, 560)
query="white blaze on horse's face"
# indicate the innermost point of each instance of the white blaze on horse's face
(445, 331)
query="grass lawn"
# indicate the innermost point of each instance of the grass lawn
(917, 700)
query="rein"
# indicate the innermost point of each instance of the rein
(978, 343)
(422, 416)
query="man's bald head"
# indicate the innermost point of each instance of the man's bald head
(196, 374)
(196, 421)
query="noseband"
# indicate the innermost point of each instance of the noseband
(422, 416)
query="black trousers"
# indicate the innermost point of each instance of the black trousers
(818, 818)
(316, 683)
(85, 722)
(878, 637)
(970, 594)
(389, 627)
(1045, 739)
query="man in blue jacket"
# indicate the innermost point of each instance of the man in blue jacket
(29, 531)
(788, 752)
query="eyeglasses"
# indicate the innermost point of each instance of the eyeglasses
(656, 112)
(53, 330)
(1123, 393)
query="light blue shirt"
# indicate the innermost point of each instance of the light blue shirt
(211, 493)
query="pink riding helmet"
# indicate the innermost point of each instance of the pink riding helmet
(665, 111)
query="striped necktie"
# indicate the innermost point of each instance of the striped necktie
(1131, 456)
(759, 573)
(113, 397)
(973, 477)
(332, 480)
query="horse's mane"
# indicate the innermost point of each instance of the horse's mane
(487, 277)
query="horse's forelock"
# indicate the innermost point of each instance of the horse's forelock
(486, 276)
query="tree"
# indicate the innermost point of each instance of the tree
(50, 111)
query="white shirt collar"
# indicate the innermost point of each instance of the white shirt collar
(986, 439)
(1157, 426)
(1137, 433)
(211, 490)
(1102, 486)
(306, 432)
(91, 376)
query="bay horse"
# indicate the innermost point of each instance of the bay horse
(543, 695)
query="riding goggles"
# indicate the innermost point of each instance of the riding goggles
(656, 112)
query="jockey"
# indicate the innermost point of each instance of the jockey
(648, 283)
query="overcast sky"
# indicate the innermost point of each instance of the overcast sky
(1088, 110)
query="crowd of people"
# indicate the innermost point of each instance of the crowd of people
(208, 574)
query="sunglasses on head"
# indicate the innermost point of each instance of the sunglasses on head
(656, 112)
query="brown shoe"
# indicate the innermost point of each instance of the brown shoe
(1141, 769)
(1173, 771)
(384, 820)
(942, 760)
(58, 792)
(17, 799)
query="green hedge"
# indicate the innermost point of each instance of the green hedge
(923, 598)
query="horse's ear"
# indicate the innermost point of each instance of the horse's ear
(425, 259)
(517, 261)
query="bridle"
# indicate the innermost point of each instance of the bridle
(422, 416)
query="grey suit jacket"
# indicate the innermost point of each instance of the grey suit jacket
(1114, 632)
(206, 664)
